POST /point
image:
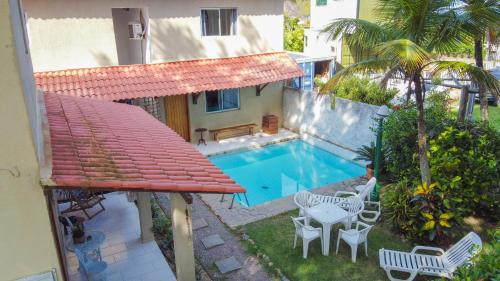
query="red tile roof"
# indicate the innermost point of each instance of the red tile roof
(170, 78)
(107, 145)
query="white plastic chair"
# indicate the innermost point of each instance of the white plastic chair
(364, 192)
(308, 234)
(354, 206)
(304, 199)
(94, 269)
(442, 265)
(355, 237)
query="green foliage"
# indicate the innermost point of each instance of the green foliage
(433, 216)
(397, 210)
(294, 34)
(400, 134)
(485, 265)
(368, 152)
(162, 226)
(465, 163)
(363, 90)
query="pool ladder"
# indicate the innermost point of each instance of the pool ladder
(234, 196)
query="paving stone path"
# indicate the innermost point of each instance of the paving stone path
(226, 261)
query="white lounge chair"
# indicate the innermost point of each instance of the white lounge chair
(355, 237)
(308, 233)
(442, 265)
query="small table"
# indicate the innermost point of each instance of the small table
(327, 214)
(201, 140)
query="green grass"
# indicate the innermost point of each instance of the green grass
(493, 113)
(274, 237)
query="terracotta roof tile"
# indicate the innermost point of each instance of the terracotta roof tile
(107, 145)
(170, 78)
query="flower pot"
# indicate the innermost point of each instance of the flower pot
(369, 171)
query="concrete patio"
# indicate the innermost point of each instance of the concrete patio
(127, 257)
(244, 142)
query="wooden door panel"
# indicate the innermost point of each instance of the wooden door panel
(177, 114)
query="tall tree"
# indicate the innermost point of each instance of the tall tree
(477, 17)
(402, 42)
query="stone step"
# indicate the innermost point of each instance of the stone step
(212, 241)
(228, 265)
(199, 224)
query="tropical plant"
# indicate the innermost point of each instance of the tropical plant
(402, 43)
(477, 18)
(294, 34)
(434, 215)
(363, 90)
(401, 138)
(395, 199)
(367, 153)
(465, 163)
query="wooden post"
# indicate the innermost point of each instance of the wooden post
(183, 236)
(462, 107)
(145, 216)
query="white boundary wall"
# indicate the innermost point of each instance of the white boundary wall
(347, 125)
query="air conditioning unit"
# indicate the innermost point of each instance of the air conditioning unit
(135, 31)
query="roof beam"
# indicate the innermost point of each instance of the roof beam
(259, 88)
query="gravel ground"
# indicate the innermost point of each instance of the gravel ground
(251, 268)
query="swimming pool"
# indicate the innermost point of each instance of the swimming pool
(279, 170)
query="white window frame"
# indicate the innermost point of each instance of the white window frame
(220, 30)
(220, 93)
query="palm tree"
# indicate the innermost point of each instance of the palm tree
(403, 43)
(477, 18)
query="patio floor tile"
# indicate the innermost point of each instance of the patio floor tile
(199, 223)
(128, 258)
(212, 241)
(227, 265)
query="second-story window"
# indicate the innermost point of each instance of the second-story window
(218, 22)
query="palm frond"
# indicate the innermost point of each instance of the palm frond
(478, 15)
(359, 35)
(465, 70)
(364, 67)
(410, 56)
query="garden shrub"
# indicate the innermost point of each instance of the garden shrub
(400, 134)
(363, 90)
(434, 218)
(397, 210)
(485, 265)
(464, 163)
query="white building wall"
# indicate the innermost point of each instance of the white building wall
(348, 124)
(73, 34)
(318, 43)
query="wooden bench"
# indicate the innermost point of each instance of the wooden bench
(234, 131)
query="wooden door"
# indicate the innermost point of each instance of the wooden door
(177, 114)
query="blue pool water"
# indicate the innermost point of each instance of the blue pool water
(279, 170)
